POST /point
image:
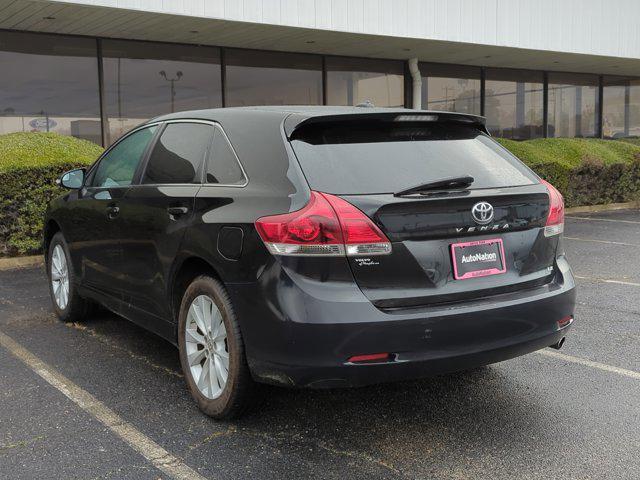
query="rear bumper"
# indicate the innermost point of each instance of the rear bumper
(302, 333)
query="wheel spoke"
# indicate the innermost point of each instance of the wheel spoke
(66, 294)
(221, 332)
(56, 259)
(195, 358)
(221, 370)
(192, 336)
(197, 317)
(217, 322)
(224, 359)
(214, 381)
(202, 381)
(57, 286)
(206, 313)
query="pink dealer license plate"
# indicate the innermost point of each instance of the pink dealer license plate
(478, 259)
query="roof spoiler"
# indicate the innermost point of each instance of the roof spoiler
(296, 120)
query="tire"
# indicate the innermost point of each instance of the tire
(72, 307)
(203, 356)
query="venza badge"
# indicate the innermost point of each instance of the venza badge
(482, 213)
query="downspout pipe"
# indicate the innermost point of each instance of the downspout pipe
(416, 82)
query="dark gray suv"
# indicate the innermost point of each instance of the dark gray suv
(314, 246)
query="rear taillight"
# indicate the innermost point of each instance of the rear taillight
(555, 219)
(327, 225)
(370, 357)
(565, 321)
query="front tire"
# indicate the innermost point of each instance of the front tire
(212, 351)
(68, 305)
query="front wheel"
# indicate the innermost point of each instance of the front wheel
(212, 351)
(68, 305)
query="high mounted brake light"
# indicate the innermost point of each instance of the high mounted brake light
(555, 218)
(327, 225)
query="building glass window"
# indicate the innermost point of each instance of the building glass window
(49, 83)
(573, 105)
(514, 103)
(143, 80)
(451, 88)
(272, 78)
(621, 107)
(351, 81)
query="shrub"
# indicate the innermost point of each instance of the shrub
(29, 165)
(586, 171)
(633, 140)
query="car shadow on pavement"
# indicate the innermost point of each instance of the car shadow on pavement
(490, 408)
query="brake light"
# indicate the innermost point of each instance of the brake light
(327, 225)
(555, 219)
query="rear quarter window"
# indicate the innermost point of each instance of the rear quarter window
(385, 157)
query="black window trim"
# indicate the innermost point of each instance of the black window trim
(163, 124)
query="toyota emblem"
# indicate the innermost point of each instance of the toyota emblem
(482, 213)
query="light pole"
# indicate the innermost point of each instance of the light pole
(172, 81)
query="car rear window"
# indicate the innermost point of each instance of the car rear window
(384, 157)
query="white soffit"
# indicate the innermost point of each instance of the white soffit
(136, 23)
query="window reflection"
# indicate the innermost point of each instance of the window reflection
(450, 88)
(514, 103)
(272, 78)
(49, 83)
(621, 107)
(143, 80)
(573, 105)
(351, 81)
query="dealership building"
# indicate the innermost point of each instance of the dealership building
(546, 68)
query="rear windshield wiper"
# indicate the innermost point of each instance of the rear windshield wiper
(440, 184)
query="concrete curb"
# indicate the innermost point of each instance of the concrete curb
(609, 207)
(13, 263)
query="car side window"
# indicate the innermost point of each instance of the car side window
(179, 153)
(118, 167)
(223, 166)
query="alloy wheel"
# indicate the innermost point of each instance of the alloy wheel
(60, 277)
(206, 346)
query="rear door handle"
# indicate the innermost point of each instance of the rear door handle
(177, 211)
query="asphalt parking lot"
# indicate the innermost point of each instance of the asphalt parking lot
(95, 400)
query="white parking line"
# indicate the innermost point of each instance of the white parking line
(604, 219)
(154, 453)
(602, 241)
(588, 363)
(606, 280)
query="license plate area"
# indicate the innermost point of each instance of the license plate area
(479, 258)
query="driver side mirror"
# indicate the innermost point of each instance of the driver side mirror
(73, 179)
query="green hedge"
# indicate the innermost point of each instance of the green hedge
(586, 171)
(29, 165)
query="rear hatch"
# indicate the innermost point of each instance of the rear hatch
(449, 244)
